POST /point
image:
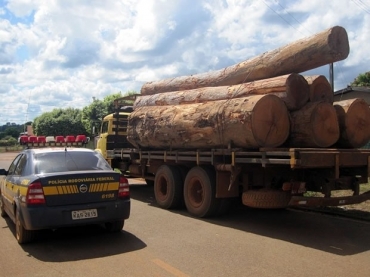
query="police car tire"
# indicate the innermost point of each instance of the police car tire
(2, 210)
(115, 226)
(22, 235)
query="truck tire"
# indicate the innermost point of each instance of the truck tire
(200, 192)
(22, 235)
(266, 199)
(168, 187)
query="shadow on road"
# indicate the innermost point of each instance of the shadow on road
(80, 243)
(327, 233)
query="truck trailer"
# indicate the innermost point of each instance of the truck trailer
(207, 181)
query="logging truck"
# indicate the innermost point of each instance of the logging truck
(257, 131)
(206, 181)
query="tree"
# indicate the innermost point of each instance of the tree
(362, 80)
(12, 131)
(59, 122)
(93, 114)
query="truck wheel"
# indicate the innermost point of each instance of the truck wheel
(266, 199)
(168, 187)
(115, 226)
(2, 208)
(22, 235)
(200, 192)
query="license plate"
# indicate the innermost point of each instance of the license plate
(82, 214)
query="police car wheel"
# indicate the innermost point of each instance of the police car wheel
(2, 209)
(115, 226)
(22, 235)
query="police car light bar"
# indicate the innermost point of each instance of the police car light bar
(42, 141)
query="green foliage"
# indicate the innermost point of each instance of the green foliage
(8, 141)
(59, 122)
(108, 102)
(362, 80)
(9, 129)
(67, 121)
(12, 131)
(93, 114)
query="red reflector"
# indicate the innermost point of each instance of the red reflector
(35, 194)
(123, 190)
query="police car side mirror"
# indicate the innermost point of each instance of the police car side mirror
(3, 172)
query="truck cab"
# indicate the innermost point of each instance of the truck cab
(113, 130)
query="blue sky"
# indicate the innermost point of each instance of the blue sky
(62, 53)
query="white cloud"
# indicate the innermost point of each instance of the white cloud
(60, 53)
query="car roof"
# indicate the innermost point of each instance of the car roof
(57, 149)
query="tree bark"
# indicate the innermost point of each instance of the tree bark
(248, 122)
(320, 89)
(293, 89)
(354, 122)
(320, 49)
(315, 125)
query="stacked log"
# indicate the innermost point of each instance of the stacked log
(354, 122)
(320, 89)
(315, 125)
(261, 102)
(247, 122)
(320, 49)
(293, 89)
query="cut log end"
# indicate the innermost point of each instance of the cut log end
(270, 121)
(325, 126)
(320, 89)
(315, 125)
(298, 89)
(338, 43)
(354, 122)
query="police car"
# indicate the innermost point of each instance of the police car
(49, 188)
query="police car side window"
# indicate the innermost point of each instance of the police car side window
(13, 165)
(19, 170)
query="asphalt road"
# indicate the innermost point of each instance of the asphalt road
(158, 242)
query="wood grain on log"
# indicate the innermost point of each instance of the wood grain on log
(320, 49)
(315, 125)
(293, 89)
(320, 89)
(354, 122)
(248, 122)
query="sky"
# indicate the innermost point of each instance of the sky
(65, 53)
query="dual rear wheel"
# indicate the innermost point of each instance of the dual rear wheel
(196, 188)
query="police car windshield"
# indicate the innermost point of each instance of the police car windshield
(69, 161)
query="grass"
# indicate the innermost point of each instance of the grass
(10, 148)
(358, 211)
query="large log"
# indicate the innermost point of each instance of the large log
(354, 122)
(293, 89)
(320, 89)
(248, 122)
(320, 49)
(315, 125)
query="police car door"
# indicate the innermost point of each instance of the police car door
(11, 184)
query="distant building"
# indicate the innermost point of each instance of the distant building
(30, 130)
(353, 92)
